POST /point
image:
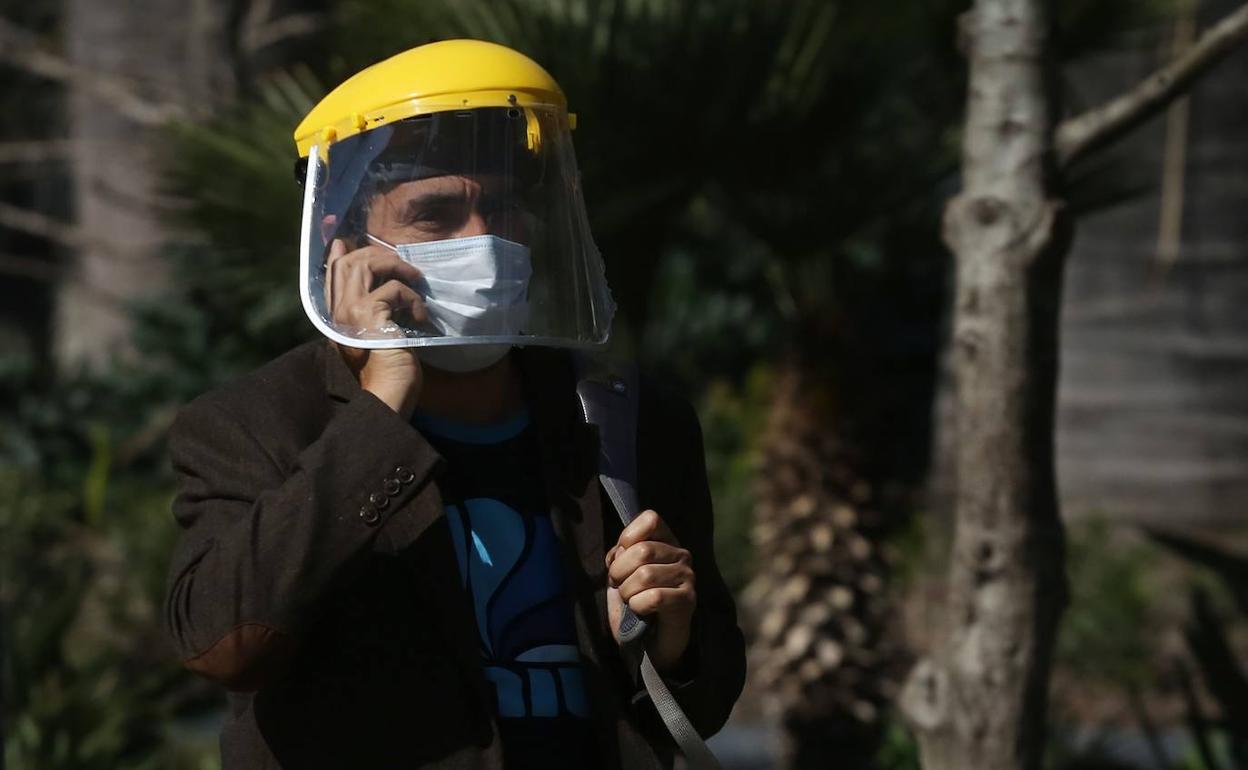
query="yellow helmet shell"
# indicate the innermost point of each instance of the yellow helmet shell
(448, 75)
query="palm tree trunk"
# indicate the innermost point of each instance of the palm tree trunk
(820, 652)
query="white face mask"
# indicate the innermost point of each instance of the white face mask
(472, 287)
(462, 358)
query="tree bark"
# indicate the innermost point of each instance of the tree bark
(979, 699)
(159, 52)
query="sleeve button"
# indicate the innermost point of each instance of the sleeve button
(404, 474)
(379, 500)
(391, 486)
(369, 515)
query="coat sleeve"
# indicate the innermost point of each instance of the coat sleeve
(260, 546)
(710, 677)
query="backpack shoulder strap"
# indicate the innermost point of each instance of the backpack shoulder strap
(609, 396)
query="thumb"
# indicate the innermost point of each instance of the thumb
(615, 611)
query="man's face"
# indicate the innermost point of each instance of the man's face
(452, 206)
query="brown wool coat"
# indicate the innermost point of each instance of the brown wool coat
(345, 641)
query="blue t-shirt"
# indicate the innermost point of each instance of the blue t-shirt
(513, 572)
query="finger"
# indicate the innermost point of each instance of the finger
(646, 552)
(383, 262)
(380, 262)
(333, 266)
(344, 292)
(396, 296)
(650, 576)
(336, 249)
(647, 526)
(378, 306)
(663, 600)
(354, 274)
(354, 255)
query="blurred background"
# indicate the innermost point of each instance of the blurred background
(765, 180)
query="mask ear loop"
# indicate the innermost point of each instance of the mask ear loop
(380, 242)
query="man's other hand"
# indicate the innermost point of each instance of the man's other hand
(648, 570)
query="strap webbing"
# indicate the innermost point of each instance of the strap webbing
(610, 403)
(691, 744)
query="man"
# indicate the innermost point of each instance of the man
(396, 552)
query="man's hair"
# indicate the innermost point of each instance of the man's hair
(490, 140)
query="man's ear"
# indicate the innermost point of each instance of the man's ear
(329, 224)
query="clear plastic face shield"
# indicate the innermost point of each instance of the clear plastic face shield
(453, 228)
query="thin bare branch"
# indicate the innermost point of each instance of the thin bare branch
(42, 270)
(1101, 125)
(63, 233)
(30, 267)
(35, 151)
(1174, 158)
(289, 26)
(22, 49)
(258, 12)
(259, 31)
(40, 225)
(152, 433)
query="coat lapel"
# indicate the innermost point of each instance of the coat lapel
(431, 557)
(569, 456)
(340, 382)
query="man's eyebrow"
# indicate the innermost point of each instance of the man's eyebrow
(435, 198)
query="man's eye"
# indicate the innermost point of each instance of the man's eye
(497, 207)
(432, 215)
(425, 214)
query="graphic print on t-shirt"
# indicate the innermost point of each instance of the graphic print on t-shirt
(511, 567)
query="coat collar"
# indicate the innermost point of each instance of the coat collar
(569, 451)
(569, 454)
(340, 381)
(569, 447)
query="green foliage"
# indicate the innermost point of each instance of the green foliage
(712, 315)
(898, 750)
(1110, 603)
(732, 424)
(1208, 640)
(1110, 582)
(236, 268)
(88, 678)
(58, 427)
